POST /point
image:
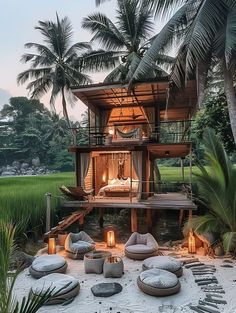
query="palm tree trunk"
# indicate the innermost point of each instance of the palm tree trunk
(231, 98)
(65, 113)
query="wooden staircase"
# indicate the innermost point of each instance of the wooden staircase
(67, 221)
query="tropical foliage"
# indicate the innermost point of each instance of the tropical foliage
(124, 41)
(217, 185)
(214, 114)
(54, 65)
(8, 302)
(30, 130)
(206, 30)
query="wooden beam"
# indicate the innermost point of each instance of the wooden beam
(134, 220)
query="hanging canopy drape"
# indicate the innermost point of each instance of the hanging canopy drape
(137, 164)
(84, 163)
(131, 134)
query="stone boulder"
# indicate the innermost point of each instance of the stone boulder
(36, 162)
(106, 289)
(24, 166)
(16, 165)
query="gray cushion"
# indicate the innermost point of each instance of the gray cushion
(142, 239)
(140, 248)
(47, 263)
(64, 287)
(158, 278)
(163, 262)
(79, 243)
(158, 283)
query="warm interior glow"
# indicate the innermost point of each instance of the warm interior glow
(111, 242)
(51, 246)
(104, 178)
(191, 243)
(111, 131)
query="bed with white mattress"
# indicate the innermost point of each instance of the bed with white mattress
(119, 188)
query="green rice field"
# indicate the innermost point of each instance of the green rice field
(25, 196)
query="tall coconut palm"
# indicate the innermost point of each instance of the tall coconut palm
(126, 40)
(208, 38)
(54, 64)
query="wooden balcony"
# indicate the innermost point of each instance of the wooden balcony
(168, 132)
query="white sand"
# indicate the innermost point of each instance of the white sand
(131, 299)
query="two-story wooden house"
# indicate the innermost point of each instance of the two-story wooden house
(127, 130)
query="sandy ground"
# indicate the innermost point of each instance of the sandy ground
(131, 299)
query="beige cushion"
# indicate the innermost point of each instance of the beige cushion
(162, 262)
(160, 279)
(47, 263)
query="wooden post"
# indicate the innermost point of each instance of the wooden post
(101, 214)
(134, 220)
(149, 220)
(131, 178)
(77, 178)
(182, 167)
(48, 214)
(181, 216)
(81, 222)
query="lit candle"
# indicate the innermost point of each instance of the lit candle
(191, 243)
(111, 239)
(51, 246)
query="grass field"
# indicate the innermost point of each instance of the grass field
(25, 196)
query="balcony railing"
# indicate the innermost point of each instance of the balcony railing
(143, 133)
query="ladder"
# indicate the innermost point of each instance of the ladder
(67, 221)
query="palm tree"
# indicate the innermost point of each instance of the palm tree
(54, 65)
(125, 41)
(217, 185)
(207, 30)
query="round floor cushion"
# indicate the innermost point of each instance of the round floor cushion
(160, 283)
(64, 287)
(47, 264)
(164, 263)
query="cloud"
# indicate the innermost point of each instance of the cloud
(4, 97)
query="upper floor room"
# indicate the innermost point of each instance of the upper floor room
(147, 112)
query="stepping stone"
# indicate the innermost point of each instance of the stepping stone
(106, 289)
(227, 266)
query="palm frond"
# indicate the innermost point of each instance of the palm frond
(217, 191)
(104, 31)
(97, 60)
(150, 58)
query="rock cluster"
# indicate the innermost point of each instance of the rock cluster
(19, 169)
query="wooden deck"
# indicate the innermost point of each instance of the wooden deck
(168, 201)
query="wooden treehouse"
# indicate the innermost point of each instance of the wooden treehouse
(128, 132)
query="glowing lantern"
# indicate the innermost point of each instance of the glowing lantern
(51, 246)
(111, 132)
(111, 241)
(104, 178)
(191, 243)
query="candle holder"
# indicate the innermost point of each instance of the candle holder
(51, 246)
